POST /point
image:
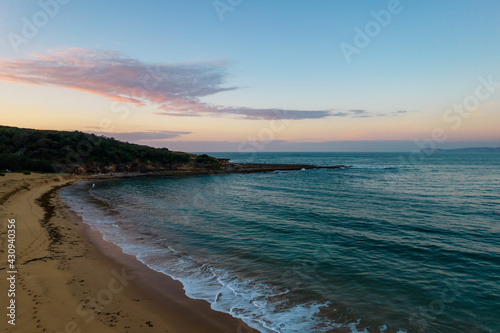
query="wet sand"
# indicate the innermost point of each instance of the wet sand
(70, 280)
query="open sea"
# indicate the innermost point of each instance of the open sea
(396, 243)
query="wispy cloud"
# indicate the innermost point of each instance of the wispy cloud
(117, 77)
(248, 113)
(176, 89)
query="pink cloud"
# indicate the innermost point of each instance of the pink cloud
(175, 88)
(110, 74)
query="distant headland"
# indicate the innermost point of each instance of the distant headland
(462, 150)
(80, 153)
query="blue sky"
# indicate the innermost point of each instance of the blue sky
(282, 55)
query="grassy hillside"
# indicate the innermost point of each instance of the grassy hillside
(61, 151)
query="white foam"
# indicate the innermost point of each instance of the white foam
(262, 306)
(257, 304)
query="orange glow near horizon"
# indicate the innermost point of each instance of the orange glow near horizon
(475, 128)
(73, 109)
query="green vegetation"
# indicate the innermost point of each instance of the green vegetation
(206, 160)
(60, 151)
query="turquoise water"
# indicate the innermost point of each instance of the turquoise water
(397, 243)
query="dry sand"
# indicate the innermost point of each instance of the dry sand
(70, 280)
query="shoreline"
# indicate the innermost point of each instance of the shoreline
(230, 168)
(166, 294)
(72, 280)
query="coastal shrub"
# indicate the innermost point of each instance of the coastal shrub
(203, 158)
(2, 174)
(26, 173)
(57, 151)
(206, 160)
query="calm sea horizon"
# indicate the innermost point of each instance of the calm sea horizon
(394, 243)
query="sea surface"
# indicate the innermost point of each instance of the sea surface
(398, 242)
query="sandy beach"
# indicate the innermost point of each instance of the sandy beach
(66, 278)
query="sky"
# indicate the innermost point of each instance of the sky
(256, 76)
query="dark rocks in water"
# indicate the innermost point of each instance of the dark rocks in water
(256, 167)
(461, 150)
(223, 168)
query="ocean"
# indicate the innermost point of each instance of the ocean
(398, 242)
